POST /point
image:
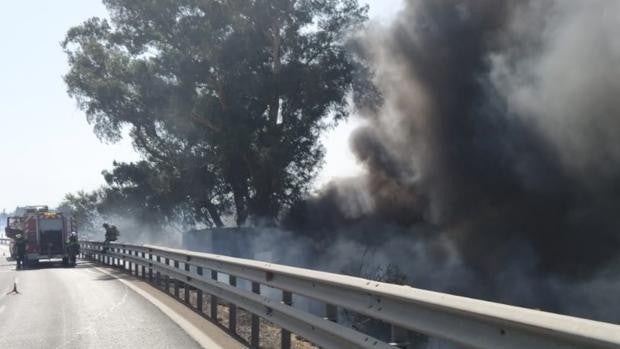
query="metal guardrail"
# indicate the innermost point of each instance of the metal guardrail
(469, 322)
(5, 241)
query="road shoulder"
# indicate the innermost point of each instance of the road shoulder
(207, 334)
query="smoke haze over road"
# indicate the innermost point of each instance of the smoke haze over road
(499, 132)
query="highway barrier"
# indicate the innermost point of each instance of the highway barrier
(464, 321)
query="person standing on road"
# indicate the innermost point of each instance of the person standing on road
(73, 248)
(20, 249)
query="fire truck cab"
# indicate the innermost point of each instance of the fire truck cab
(45, 232)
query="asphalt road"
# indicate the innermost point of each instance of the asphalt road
(79, 308)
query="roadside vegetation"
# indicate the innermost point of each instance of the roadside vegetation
(225, 101)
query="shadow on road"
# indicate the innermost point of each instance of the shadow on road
(113, 275)
(50, 265)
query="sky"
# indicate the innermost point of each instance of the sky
(47, 148)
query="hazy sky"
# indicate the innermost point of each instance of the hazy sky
(47, 148)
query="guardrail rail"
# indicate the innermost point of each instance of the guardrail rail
(469, 322)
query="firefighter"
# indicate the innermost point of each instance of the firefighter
(111, 234)
(73, 248)
(20, 249)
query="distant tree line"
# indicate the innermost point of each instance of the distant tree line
(224, 100)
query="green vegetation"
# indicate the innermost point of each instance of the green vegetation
(225, 100)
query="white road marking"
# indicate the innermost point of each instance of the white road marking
(2, 308)
(193, 331)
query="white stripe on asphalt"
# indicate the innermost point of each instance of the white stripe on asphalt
(193, 331)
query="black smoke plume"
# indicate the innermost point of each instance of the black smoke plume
(500, 128)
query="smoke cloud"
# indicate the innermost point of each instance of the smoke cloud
(496, 147)
(499, 125)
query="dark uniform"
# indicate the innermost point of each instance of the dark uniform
(20, 250)
(73, 249)
(111, 234)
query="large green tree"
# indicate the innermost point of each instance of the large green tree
(233, 94)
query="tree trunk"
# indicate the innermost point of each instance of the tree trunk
(240, 207)
(240, 195)
(274, 105)
(214, 214)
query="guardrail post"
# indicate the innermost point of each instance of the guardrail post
(187, 286)
(176, 282)
(399, 337)
(199, 299)
(287, 298)
(150, 265)
(255, 335)
(158, 274)
(331, 312)
(232, 308)
(166, 277)
(143, 267)
(214, 299)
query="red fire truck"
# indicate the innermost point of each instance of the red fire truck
(45, 231)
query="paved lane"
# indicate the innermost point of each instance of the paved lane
(79, 308)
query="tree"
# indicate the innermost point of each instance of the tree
(154, 197)
(83, 206)
(242, 88)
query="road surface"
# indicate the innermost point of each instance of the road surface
(79, 307)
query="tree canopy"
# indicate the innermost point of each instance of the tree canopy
(225, 100)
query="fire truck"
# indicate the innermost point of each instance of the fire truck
(45, 231)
